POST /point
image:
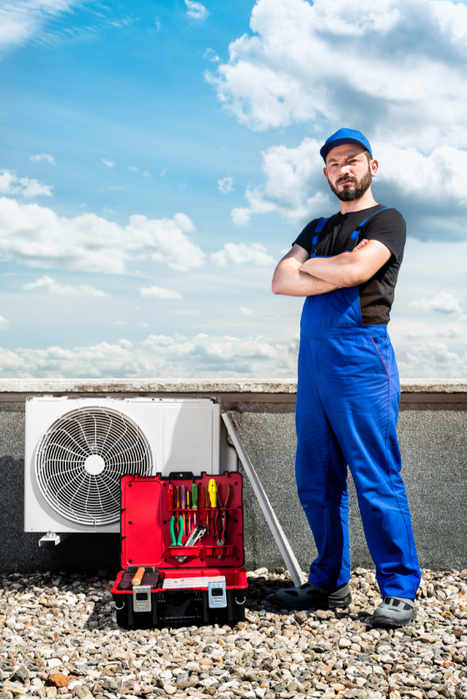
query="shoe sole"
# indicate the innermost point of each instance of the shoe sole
(318, 603)
(388, 622)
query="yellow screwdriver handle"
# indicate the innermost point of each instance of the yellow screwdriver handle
(212, 488)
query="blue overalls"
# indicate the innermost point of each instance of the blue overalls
(347, 409)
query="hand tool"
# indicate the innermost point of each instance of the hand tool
(206, 505)
(183, 502)
(138, 577)
(188, 506)
(176, 542)
(212, 488)
(194, 501)
(222, 520)
(177, 501)
(195, 536)
(170, 496)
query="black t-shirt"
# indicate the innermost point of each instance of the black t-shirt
(388, 227)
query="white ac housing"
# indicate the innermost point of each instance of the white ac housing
(78, 449)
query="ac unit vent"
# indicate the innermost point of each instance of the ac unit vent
(81, 458)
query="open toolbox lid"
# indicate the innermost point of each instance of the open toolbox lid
(146, 538)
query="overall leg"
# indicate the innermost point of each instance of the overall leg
(362, 406)
(321, 475)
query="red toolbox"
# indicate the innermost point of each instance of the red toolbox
(183, 583)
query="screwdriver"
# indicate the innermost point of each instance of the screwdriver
(206, 505)
(212, 488)
(170, 496)
(177, 500)
(194, 501)
(183, 499)
(188, 506)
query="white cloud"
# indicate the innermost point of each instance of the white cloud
(196, 10)
(37, 237)
(427, 188)
(158, 356)
(42, 156)
(304, 62)
(3, 324)
(413, 335)
(431, 360)
(240, 216)
(21, 19)
(49, 285)
(146, 173)
(452, 333)
(159, 293)
(133, 168)
(443, 303)
(211, 55)
(13, 185)
(225, 184)
(295, 185)
(143, 324)
(108, 163)
(245, 311)
(121, 323)
(241, 254)
(430, 177)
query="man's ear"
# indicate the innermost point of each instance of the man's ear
(325, 171)
(374, 165)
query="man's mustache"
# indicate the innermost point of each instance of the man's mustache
(346, 177)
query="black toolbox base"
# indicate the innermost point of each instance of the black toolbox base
(180, 608)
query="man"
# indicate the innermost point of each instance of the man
(348, 387)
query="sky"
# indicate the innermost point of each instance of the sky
(157, 159)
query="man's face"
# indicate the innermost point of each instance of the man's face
(348, 171)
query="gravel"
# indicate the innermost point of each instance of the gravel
(59, 638)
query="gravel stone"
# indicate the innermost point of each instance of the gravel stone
(274, 653)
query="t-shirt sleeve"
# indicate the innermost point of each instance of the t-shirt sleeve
(389, 228)
(305, 237)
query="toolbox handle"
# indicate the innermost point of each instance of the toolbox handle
(181, 475)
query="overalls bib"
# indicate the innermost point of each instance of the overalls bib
(347, 409)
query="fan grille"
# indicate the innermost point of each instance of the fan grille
(81, 459)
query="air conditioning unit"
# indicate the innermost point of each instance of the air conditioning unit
(77, 450)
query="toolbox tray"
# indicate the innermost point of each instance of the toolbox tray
(146, 542)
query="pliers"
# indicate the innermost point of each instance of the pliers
(175, 542)
(171, 494)
(221, 520)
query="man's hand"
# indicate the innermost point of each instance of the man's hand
(349, 269)
(288, 278)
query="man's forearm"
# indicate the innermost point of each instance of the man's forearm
(349, 269)
(335, 270)
(290, 281)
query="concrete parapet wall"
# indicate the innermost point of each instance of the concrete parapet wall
(433, 437)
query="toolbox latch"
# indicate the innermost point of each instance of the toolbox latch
(142, 599)
(217, 594)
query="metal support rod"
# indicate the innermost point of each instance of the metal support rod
(274, 525)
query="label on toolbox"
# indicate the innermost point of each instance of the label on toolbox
(194, 582)
(158, 517)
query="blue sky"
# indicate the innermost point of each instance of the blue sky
(157, 159)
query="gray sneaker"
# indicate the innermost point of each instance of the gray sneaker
(311, 597)
(393, 612)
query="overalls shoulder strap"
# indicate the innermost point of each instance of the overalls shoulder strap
(314, 241)
(354, 237)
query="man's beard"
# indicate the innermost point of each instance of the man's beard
(355, 191)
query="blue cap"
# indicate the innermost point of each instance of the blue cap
(345, 136)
